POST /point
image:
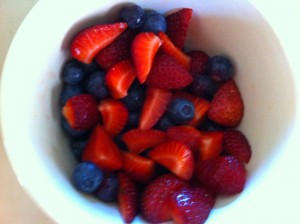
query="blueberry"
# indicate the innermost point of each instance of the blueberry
(209, 125)
(133, 15)
(164, 123)
(95, 85)
(120, 143)
(181, 111)
(133, 120)
(73, 72)
(108, 190)
(77, 147)
(87, 177)
(203, 86)
(154, 22)
(90, 68)
(70, 132)
(69, 91)
(135, 98)
(220, 68)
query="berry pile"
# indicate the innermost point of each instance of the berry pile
(153, 127)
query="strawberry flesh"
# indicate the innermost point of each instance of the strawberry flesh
(210, 145)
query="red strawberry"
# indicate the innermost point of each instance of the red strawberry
(155, 198)
(177, 26)
(117, 51)
(199, 60)
(167, 73)
(211, 143)
(102, 151)
(187, 134)
(155, 105)
(169, 48)
(81, 112)
(92, 40)
(227, 106)
(143, 50)
(190, 205)
(138, 140)
(176, 157)
(236, 144)
(119, 78)
(223, 175)
(114, 115)
(139, 168)
(127, 198)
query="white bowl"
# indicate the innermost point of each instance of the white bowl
(259, 37)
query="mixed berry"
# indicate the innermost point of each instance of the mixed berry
(153, 127)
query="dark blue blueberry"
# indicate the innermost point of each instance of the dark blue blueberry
(95, 85)
(181, 111)
(133, 120)
(220, 68)
(135, 98)
(203, 86)
(209, 125)
(133, 15)
(77, 147)
(154, 22)
(70, 132)
(73, 73)
(164, 123)
(87, 177)
(90, 68)
(69, 91)
(108, 190)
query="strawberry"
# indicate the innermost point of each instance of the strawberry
(222, 175)
(169, 48)
(190, 205)
(143, 50)
(155, 198)
(177, 26)
(114, 115)
(117, 51)
(139, 168)
(199, 60)
(81, 112)
(87, 43)
(119, 78)
(127, 198)
(227, 106)
(236, 144)
(155, 105)
(167, 73)
(176, 157)
(138, 140)
(211, 143)
(187, 134)
(102, 151)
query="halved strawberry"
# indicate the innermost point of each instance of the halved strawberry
(119, 78)
(167, 73)
(92, 40)
(139, 168)
(176, 157)
(211, 145)
(138, 140)
(114, 115)
(127, 198)
(199, 60)
(177, 26)
(81, 112)
(143, 50)
(169, 48)
(155, 105)
(102, 151)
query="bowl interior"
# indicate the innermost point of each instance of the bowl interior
(233, 28)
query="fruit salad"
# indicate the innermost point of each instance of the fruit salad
(152, 125)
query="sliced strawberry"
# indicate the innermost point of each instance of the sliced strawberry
(120, 77)
(155, 105)
(177, 26)
(102, 151)
(92, 40)
(138, 140)
(169, 48)
(176, 157)
(81, 112)
(117, 51)
(114, 115)
(227, 106)
(127, 198)
(139, 168)
(199, 60)
(143, 50)
(211, 144)
(155, 198)
(167, 73)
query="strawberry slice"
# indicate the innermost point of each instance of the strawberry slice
(211, 144)
(177, 26)
(139, 168)
(92, 40)
(119, 78)
(143, 50)
(176, 157)
(102, 151)
(114, 115)
(155, 105)
(138, 140)
(127, 198)
(199, 60)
